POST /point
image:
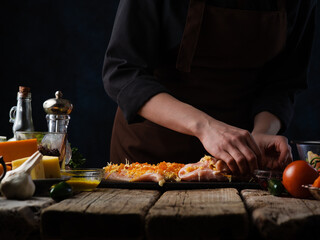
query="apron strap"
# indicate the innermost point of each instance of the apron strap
(190, 35)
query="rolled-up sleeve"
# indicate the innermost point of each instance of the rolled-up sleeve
(131, 56)
(286, 75)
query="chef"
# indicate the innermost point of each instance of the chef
(195, 77)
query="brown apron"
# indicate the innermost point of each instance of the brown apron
(220, 55)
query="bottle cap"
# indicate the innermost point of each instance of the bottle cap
(58, 105)
(24, 92)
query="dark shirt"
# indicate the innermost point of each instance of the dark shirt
(145, 32)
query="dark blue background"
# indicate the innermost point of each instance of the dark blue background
(52, 45)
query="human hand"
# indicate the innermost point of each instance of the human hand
(275, 150)
(235, 146)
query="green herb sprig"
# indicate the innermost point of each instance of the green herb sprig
(77, 160)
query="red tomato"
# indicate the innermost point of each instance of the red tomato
(296, 174)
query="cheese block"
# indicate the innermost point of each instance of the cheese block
(36, 173)
(47, 168)
(13, 150)
(51, 166)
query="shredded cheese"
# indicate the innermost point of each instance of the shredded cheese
(135, 170)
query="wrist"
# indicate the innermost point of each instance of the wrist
(258, 132)
(203, 126)
(200, 126)
(255, 134)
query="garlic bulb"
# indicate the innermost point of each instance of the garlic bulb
(17, 184)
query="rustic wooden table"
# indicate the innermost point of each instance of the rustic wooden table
(109, 213)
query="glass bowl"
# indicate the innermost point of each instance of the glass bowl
(262, 177)
(84, 179)
(315, 191)
(24, 135)
(304, 146)
(49, 139)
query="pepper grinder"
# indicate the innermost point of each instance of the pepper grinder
(58, 110)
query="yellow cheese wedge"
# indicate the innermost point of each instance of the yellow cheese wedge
(36, 173)
(13, 150)
(51, 166)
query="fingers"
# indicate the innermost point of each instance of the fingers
(242, 154)
(251, 158)
(240, 160)
(284, 149)
(277, 152)
(236, 147)
(239, 156)
(231, 163)
(245, 152)
(253, 146)
(223, 167)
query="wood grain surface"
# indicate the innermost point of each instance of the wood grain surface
(283, 217)
(198, 214)
(102, 214)
(21, 219)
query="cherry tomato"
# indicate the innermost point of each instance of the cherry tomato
(316, 183)
(296, 174)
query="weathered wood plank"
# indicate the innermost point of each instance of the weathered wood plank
(102, 214)
(21, 219)
(198, 214)
(283, 217)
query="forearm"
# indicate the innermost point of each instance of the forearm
(234, 146)
(167, 111)
(266, 123)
